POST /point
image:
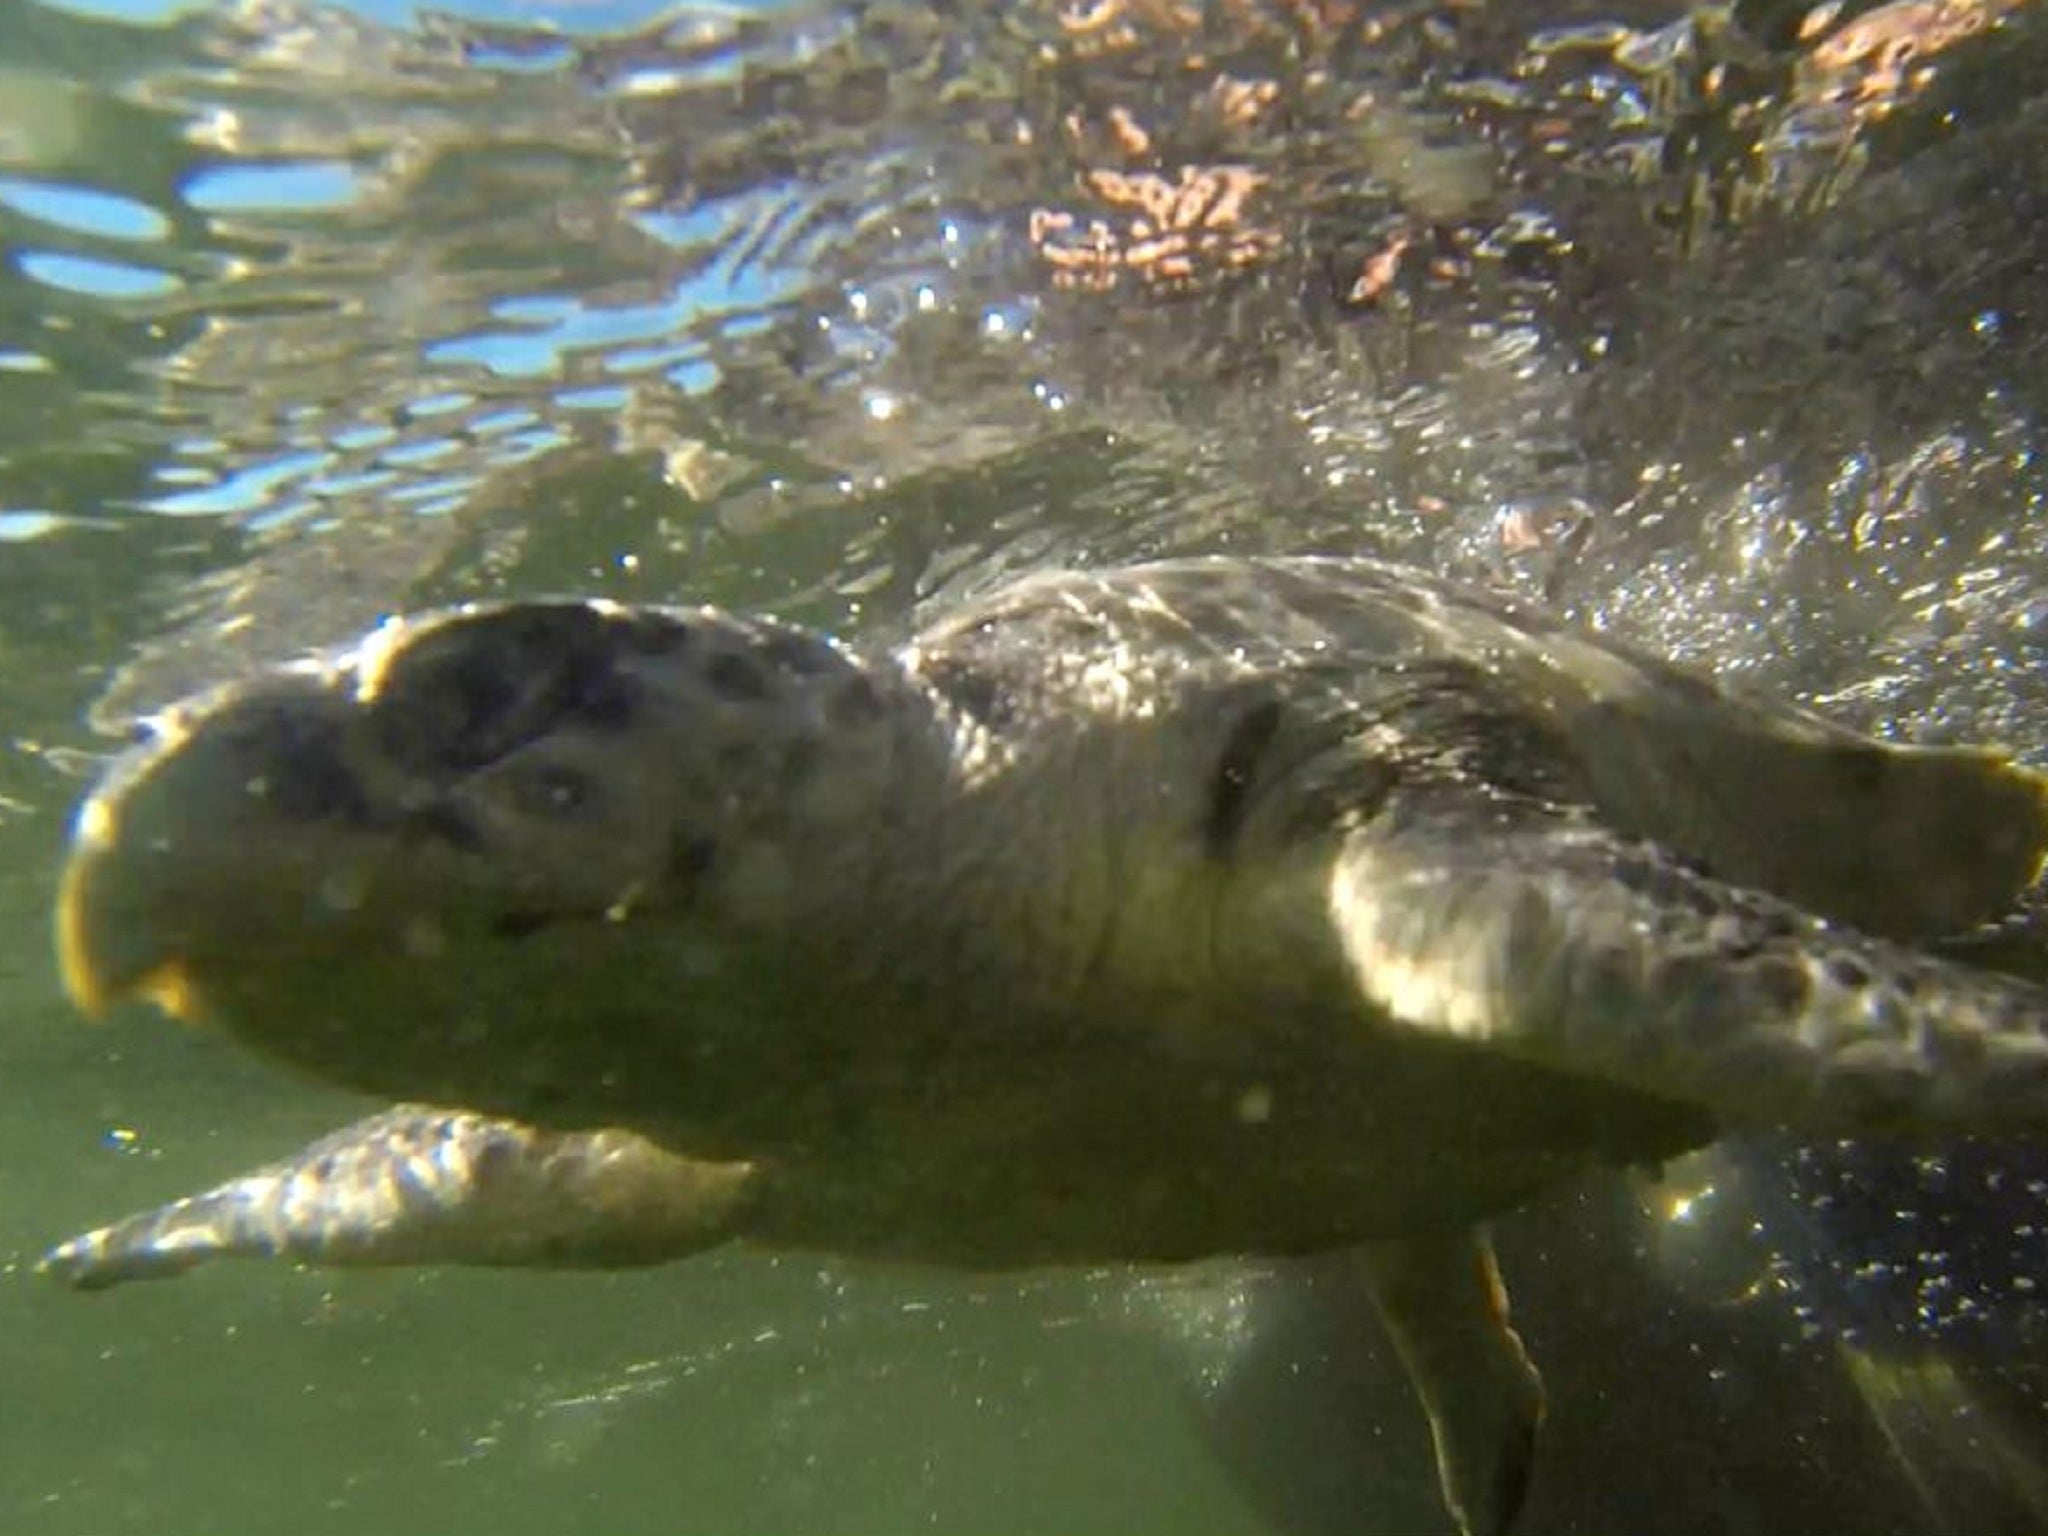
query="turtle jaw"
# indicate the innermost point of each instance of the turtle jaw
(250, 823)
(104, 965)
(147, 888)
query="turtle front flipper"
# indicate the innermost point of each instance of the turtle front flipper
(425, 1186)
(1441, 1298)
(1478, 914)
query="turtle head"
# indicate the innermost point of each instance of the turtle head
(495, 855)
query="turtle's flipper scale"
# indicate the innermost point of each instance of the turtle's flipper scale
(425, 1186)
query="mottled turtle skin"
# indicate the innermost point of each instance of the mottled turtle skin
(1209, 907)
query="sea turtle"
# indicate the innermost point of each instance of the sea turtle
(1215, 906)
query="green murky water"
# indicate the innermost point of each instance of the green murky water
(1711, 331)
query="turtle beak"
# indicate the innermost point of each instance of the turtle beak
(240, 833)
(151, 902)
(107, 951)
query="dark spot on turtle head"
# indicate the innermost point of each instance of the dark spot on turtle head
(690, 856)
(298, 765)
(736, 678)
(1236, 767)
(797, 652)
(799, 761)
(316, 787)
(469, 694)
(603, 697)
(477, 688)
(438, 821)
(649, 633)
(521, 925)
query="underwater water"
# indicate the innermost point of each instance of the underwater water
(1718, 329)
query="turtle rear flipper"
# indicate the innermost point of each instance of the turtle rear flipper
(1441, 1298)
(425, 1186)
(1478, 914)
